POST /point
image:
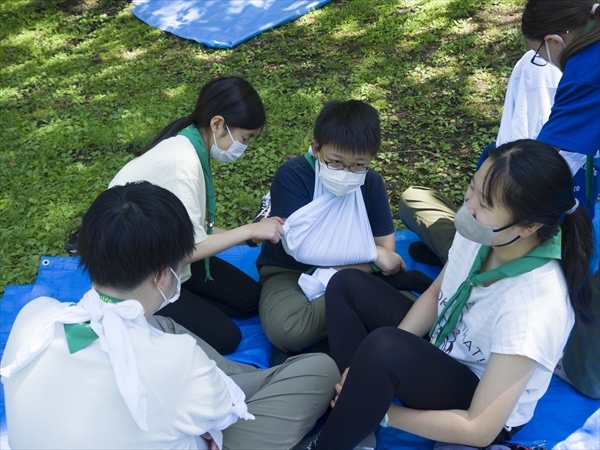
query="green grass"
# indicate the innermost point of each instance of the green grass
(83, 83)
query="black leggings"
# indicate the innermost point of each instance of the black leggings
(362, 318)
(411, 280)
(205, 307)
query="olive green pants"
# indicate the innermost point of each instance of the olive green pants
(289, 320)
(286, 400)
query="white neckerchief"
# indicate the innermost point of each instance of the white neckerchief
(109, 321)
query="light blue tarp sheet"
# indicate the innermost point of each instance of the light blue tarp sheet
(221, 23)
(564, 418)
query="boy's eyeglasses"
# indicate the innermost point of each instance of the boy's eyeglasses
(537, 60)
(336, 165)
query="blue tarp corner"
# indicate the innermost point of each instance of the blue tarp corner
(221, 23)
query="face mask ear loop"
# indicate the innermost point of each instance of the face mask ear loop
(230, 135)
(508, 243)
(504, 228)
(159, 290)
(548, 52)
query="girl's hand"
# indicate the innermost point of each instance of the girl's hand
(269, 229)
(212, 445)
(390, 263)
(339, 386)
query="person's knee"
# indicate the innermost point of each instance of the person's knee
(318, 363)
(405, 199)
(228, 341)
(319, 370)
(324, 365)
(342, 285)
(248, 307)
(376, 348)
(289, 339)
(327, 375)
(411, 193)
(291, 322)
(409, 202)
(593, 390)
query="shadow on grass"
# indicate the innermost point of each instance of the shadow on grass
(85, 82)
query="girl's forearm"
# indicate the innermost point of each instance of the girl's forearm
(455, 426)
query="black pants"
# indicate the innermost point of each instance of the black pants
(362, 318)
(205, 307)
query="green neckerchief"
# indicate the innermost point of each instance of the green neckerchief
(192, 133)
(311, 159)
(589, 26)
(80, 335)
(547, 250)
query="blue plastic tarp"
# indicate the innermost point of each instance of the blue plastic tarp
(221, 23)
(564, 419)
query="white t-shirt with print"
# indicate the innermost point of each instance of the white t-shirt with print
(174, 165)
(528, 315)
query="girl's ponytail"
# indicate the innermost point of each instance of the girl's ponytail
(535, 184)
(169, 131)
(577, 244)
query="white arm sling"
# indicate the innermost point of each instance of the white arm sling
(329, 231)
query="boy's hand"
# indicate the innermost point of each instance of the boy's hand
(390, 263)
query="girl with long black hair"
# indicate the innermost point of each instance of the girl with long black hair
(496, 319)
(228, 113)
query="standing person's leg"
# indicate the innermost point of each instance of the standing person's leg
(581, 359)
(289, 320)
(204, 320)
(392, 362)
(286, 401)
(430, 216)
(230, 290)
(357, 304)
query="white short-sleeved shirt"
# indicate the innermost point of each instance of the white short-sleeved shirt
(46, 402)
(528, 315)
(528, 101)
(174, 165)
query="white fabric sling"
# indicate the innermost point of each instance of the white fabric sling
(329, 231)
(239, 409)
(109, 321)
(314, 285)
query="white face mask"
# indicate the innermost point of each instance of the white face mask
(548, 48)
(340, 182)
(468, 227)
(234, 152)
(548, 52)
(175, 295)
